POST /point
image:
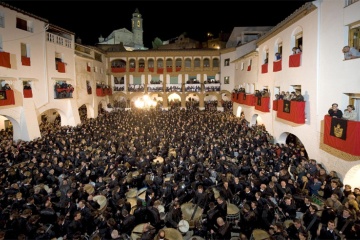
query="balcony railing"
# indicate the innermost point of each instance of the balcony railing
(349, 2)
(58, 40)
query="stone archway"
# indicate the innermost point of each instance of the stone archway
(11, 126)
(352, 177)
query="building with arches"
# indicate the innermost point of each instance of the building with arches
(53, 64)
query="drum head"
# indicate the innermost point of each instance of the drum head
(187, 210)
(259, 234)
(184, 226)
(161, 208)
(141, 193)
(137, 231)
(171, 234)
(131, 193)
(232, 209)
(101, 200)
(288, 223)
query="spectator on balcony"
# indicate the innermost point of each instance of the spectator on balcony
(27, 86)
(334, 111)
(350, 52)
(350, 113)
(298, 97)
(296, 50)
(287, 96)
(277, 56)
(6, 87)
(265, 93)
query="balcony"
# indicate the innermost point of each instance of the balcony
(291, 111)
(342, 134)
(25, 61)
(7, 97)
(27, 93)
(173, 87)
(155, 88)
(212, 87)
(58, 40)
(295, 60)
(5, 59)
(262, 104)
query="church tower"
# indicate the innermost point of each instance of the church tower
(137, 29)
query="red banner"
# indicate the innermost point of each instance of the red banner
(25, 61)
(294, 60)
(296, 114)
(352, 142)
(277, 66)
(5, 59)
(264, 68)
(118, 69)
(275, 105)
(27, 93)
(10, 98)
(60, 67)
(262, 104)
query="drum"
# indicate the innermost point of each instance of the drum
(187, 210)
(133, 204)
(183, 226)
(197, 238)
(102, 201)
(161, 208)
(141, 193)
(137, 231)
(171, 234)
(288, 223)
(131, 193)
(216, 193)
(259, 234)
(233, 213)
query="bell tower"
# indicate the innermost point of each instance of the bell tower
(137, 29)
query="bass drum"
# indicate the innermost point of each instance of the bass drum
(259, 234)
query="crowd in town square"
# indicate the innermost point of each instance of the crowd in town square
(203, 174)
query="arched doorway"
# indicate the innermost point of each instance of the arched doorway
(174, 101)
(192, 101)
(210, 102)
(292, 140)
(51, 116)
(6, 128)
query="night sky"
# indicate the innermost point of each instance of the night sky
(162, 19)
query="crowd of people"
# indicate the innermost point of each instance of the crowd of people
(84, 182)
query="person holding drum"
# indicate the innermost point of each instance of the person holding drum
(200, 197)
(223, 230)
(174, 216)
(221, 207)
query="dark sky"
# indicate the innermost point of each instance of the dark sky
(163, 19)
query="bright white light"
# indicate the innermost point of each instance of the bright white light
(145, 102)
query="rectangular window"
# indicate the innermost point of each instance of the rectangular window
(242, 66)
(298, 39)
(226, 80)
(173, 80)
(354, 35)
(23, 50)
(21, 24)
(280, 48)
(227, 62)
(137, 80)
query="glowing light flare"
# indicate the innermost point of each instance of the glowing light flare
(145, 102)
